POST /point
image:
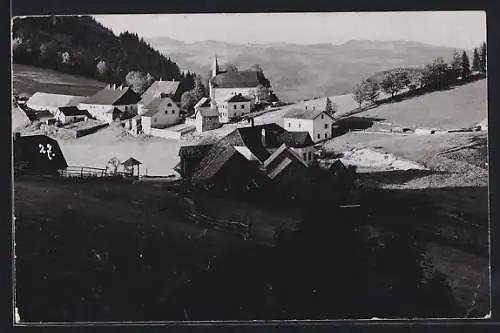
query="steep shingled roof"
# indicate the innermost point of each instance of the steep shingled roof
(110, 96)
(305, 114)
(204, 102)
(240, 79)
(296, 139)
(238, 98)
(157, 88)
(54, 100)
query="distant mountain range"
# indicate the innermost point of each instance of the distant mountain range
(303, 71)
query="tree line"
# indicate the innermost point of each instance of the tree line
(437, 75)
(80, 45)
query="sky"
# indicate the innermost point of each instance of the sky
(459, 29)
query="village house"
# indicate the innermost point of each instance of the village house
(161, 112)
(206, 117)
(44, 101)
(158, 89)
(233, 107)
(317, 123)
(225, 84)
(71, 114)
(112, 103)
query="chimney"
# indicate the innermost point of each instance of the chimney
(263, 137)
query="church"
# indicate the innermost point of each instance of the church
(250, 85)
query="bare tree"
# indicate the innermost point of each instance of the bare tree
(113, 165)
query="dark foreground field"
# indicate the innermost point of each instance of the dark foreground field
(114, 251)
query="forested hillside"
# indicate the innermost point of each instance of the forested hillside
(82, 46)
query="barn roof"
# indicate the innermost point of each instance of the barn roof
(305, 114)
(216, 158)
(240, 79)
(113, 96)
(54, 100)
(251, 137)
(194, 150)
(38, 153)
(72, 111)
(44, 114)
(157, 88)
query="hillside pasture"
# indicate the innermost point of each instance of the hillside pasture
(459, 107)
(29, 79)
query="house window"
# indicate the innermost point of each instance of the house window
(242, 106)
(326, 135)
(319, 136)
(304, 156)
(300, 125)
(173, 111)
(322, 117)
(326, 126)
(169, 104)
(289, 124)
(234, 107)
(166, 111)
(309, 155)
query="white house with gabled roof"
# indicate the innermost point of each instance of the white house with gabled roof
(317, 122)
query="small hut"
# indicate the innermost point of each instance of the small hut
(129, 165)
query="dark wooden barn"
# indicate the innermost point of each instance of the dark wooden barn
(37, 154)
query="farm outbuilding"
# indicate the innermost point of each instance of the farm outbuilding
(130, 164)
(71, 114)
(45, 101)
(37, 154)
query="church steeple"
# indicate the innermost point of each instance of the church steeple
(215, 66)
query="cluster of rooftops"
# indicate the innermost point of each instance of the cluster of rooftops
(264, 142)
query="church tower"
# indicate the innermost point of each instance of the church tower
(215, 67)
(215, 71)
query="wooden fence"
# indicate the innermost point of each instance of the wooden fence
(239, 228)
(89, 172)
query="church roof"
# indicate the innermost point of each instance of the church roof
(240, 79)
